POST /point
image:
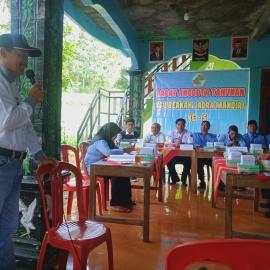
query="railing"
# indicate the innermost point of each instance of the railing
(104, 108)
(176, 64)
(123, 113)
(115, 104)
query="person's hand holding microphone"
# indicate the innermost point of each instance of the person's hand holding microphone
(36, 90)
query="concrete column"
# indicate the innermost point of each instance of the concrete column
(136, 98)
(42, 24)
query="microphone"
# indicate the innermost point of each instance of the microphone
(30, 74)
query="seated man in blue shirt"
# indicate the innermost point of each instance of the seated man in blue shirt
(200, 139)
(178, 136)
(252, 136)
(232, 138)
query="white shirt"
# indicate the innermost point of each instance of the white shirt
(184, 135)
(159, 138)
(16, 130)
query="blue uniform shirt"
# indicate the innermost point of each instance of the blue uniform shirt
(256, 138)
(201, 139)
(228, 142)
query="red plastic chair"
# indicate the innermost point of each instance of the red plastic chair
(78, 238)
(104, 185)
(70, 186)
(237, 254)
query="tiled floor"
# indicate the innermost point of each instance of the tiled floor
(181, 218)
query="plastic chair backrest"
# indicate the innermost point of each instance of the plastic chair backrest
(83, 146)
(237, 254)
(66, 150)
(55, 192)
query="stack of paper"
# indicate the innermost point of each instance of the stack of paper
(153, 145)
(255, 148)
(235, 156)
(209, 144)
(186, 146)
(218, 144)
(242, 149)
(122, 158)
(247, 160)
(148, 151)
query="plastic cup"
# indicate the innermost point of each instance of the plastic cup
(138, 160)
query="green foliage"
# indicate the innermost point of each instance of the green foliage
(88, 64)
(123, 82)
(26, 166)
(4, 28)
(5, 20)
(147, 113)
(68, 139)
(68, 55)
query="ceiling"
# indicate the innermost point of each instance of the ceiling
(164, 19)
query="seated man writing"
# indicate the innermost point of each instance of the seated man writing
(232, 138)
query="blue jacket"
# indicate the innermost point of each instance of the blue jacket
(201, 140)
(228, 142)
(256, 138)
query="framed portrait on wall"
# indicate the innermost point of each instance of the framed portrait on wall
(200, 50)
(239, 48)
(156, 51)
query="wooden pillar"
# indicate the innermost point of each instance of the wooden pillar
(136, 98)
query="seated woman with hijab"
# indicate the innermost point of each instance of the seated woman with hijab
(102, 146)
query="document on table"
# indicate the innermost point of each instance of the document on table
(122, 158)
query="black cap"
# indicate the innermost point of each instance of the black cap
(18, 41)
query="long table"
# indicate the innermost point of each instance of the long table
(105, 168)
(240, 180)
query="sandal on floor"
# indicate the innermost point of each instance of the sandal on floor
(121, 209)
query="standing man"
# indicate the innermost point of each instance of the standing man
(200, 139)
(252, 136)
(16, 136)
(178, 136)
